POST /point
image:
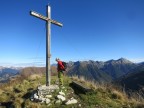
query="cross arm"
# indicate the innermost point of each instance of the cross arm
(45, 18)
(38, 15)
(56, 23)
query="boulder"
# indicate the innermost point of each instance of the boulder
(47, 101)
(57, 101)
(61, 97)
(61, 93)
(36, 96)
(71, 101)
(48, 96)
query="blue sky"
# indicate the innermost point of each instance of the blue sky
(97, 30)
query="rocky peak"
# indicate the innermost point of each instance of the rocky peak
(124, 61)
(119, 61)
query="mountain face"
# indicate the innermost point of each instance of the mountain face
(117, 68)
(101, 71)
(134, 80)
(89, 69)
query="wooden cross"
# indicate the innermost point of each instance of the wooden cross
(48, 35)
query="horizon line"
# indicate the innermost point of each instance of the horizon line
(138, 60)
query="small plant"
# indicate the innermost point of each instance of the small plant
(4, 97)
(117, 95)
(17, 102)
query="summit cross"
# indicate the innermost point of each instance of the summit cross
(48, 36)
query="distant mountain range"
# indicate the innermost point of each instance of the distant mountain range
(7, 73)
(101, 71)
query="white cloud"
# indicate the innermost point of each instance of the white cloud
(36, 64)
(137, 60)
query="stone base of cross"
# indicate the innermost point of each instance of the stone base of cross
(44, 90)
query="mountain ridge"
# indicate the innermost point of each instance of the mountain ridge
(95, 70)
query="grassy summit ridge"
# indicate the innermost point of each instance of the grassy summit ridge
(17, 93)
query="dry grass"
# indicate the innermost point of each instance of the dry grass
(17, 103)
(118, 95)
(137, 97)
(116, 92)
(1, 91)
(106, 95)
(92, 84)
(29, 104)
(35, 76)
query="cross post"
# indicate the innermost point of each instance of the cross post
(48, 39)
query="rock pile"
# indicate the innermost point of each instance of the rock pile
(53, 95)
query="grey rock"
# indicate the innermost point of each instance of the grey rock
(61, 97)
(57, 101)
(71, 101)
(35, 96)
(61, 93)
(48, 96)
(47, 101)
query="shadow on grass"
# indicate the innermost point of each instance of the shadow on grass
(6, 104)
(79, 88)
(76, 90)
(29, 94)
